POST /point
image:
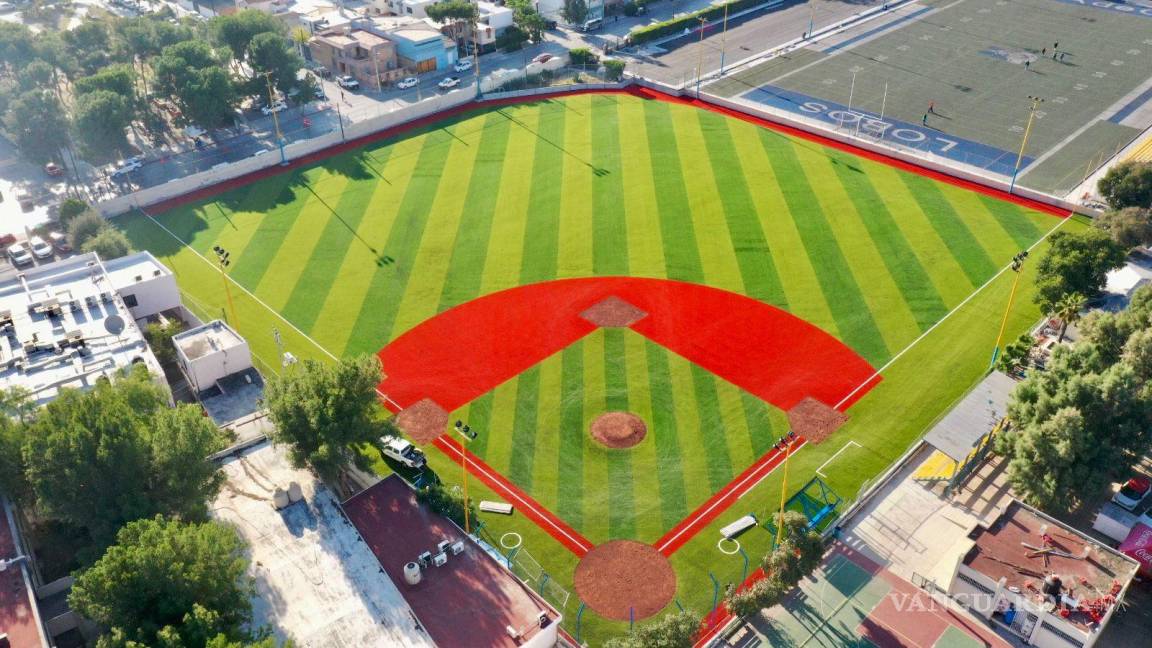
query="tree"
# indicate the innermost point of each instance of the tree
(237, 30)
(1075, 263)
(84, 227)
(1130, 227)
(445, 502)
(13, 482)
(159, 338)
(90, 44)
(1052, 461)
(1128, 184)
(456, 14)
(37, 75)
(1068, 311)
(101, 117)
(528, 19)
(271, 54)
(208, 97)
(120, 79)
(39, 125)
(1015, 354)
(614, 69)
(675, 630)
(16, 48)
(799, 552)
(574, 12)
(762, 594)
(117, 453)
(109, 243)
(324, 412)
(168, 583)
(512, 39)
(71, 208)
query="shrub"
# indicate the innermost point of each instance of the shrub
(691, 20)
(109, 243)
(71, 208)
(762, 594)
(445, 502)
(582, 56)
(614, 70)
(85, 226)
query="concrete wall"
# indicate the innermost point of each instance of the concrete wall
(153, 295)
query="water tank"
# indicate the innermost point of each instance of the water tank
(280, 498)
(412, 573)
(294, 492)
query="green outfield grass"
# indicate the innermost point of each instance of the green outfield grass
(350, 253)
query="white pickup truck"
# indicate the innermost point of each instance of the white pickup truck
(402, 451)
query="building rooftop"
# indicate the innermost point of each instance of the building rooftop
(1013, 548)
(18, 616)
(208, 338)
(417, 32)
(447, 599)
(316, 581)
(63, 324)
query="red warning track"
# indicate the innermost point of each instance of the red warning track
(469, 350)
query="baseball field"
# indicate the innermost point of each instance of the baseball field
(529, 267)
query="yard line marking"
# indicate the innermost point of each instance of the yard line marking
(819, 471)
(950, 313)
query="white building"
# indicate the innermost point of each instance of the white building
(73, 321)
(211, 352)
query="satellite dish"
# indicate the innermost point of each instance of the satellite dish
(114, 324)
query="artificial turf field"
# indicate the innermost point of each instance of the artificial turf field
(358, 249)
(967, 57)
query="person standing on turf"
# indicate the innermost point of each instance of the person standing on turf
(925, 119)
(931, 107)
(1027, 65)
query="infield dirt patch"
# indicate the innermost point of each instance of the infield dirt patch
(621, 577)
(423, 421)
(814, 420)
(618, 429)
(613, 312)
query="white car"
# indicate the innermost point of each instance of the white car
(449, 82)
(40, 248)
(347, 82)
(274, 108)
(463, 65)
(409, 82)
(1132, 492)
(402, 451)
(19, 254)
(127, 166)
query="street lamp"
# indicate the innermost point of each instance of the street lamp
(1036, 101)
(467, 434)
(275, 118)
(786, 442)
(723, 40)
(223, 262)
(700, 60)
(1017, 264)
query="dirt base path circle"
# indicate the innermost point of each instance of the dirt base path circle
(623, 575)
(618, 429)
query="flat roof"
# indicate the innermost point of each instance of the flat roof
(207, 338)
(63, 324)
(134, 268)
(964, 425)
(472, 599)
(316, 581)
(18, 618)
(1002, 551)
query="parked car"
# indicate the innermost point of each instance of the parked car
(347, 82)
(274, 108)
(54, 170)
(25, 199)
(402, 451)
(542, 58)
(127, 166)
(449, 82)
(60, 242)
(591, 25)
(1133, 492)
(408, 82)
(463, 65)
(19, 254)
(40, 248)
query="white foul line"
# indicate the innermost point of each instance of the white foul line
(846, 445)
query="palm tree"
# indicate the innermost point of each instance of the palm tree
(300, 36)
(1068, 310)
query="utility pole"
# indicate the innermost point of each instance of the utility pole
(223, 261)
(1017, 263)
(1036, 101)
(275, 118)
(700, 59)
(723, 39)
(467, 434)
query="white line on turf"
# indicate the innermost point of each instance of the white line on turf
(820, 470)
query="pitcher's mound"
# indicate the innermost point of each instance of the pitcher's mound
(423, 421)
(619, 429)
(814, 420)
(623, 575)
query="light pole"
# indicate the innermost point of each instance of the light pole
(785, 441)
(223, 261)
(1036, 101)
(1017, 263)
(723, 39)
(275, 119)
(467, 434)
(700, 59)
(811, 17)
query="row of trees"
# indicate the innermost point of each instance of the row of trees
(97, 80)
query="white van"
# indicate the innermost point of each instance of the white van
(592, 25)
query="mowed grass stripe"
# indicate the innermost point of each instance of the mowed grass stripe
(734, 426)
(542, 231)
(506, 245)
(478, 416)
(570, 460)
(799, 282)
(762, 430)
(317, 277)
(693, 461)
(546, 431)
(718, 259)
(378, 310)
(712, 430)
(749, 246)
(910, 277)
(644, 243)
(466, 265)
(645, 461)
(596, 500)
(524, 429)
(992, 235)
(429, 267)
(957, 236)
(574, 252)
(676, 229)
(935, 255)
(1024, 227)
(621, 508)
(335, 322)
(844, 296)
(498, 451)
(665, 439)
(609, 228)
(276, 288)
